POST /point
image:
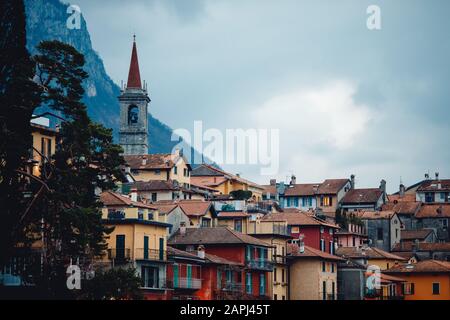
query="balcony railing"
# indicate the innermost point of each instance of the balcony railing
(232, 287)
(278, 258)
(150, 254)
(187, 283)
(260, 264)
(119, 255)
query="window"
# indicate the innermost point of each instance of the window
(238, 225)
(275, 274)
(324, 266)
(436, 288)
(133, 115)
(332, 268)
(154, 196)
(396, 233)
(248, 283)
(219, 279)
(275, 297)
(175, 170)
(327, 201)
(354, 241)
(295, 229)
(324, 290)
(282, 276)
(380, 234)
(157, 172)
(288, 202)
(140, 214)
(331, 247)
(322, 245)
(429, 197)
(262, 284)
(150, 277)
(295, 202)
(444, 223)
(333, 287)
(283, 298)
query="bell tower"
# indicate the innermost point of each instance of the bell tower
(134, 102)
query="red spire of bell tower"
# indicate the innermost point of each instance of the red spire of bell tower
(134, 76)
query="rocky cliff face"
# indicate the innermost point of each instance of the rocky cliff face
(46, 20)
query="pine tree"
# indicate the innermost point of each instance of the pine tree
(19, 96)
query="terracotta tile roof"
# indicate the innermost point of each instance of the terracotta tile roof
(434, 211)
(201, 186)
(407, 197)
(154, 185)
(432, 185)
(415, 234)
(195, 207)
(270, 188)
(214, 236)
(294, 252)
(171, 251)
(426, 266)
(369, 253)
(211, 258)
(422, 246)
(331, 186)
(298, 218)
(232, 214)
(153, 162)
(385, 279)
(373, 215)
(110, 198)
(402, 207)
(356, 196)
(165, 208)
(208, 170)
(304, 189)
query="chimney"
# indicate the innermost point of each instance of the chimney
(437, 175)
(133, 195)
(427, 176)
(383, 188)
(201, 252)
(182, 228)
(402, 190)
(144, 160)
(273, 182)
(352, 181)
(293, 180)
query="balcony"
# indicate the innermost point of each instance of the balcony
(232, 287)
(187, 283)
(260, 264)
(150, 255)
(119, 255)
(280, 259)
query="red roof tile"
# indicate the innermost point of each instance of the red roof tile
(110, 198)
(434, 211)
(356, 196)
(294, 252)
(426, 266)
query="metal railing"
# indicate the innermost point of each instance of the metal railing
(119, 255)
(150, 254)
(260, 264)
(187, 283)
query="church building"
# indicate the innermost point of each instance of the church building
(134, 102)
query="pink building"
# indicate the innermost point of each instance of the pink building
(354, 236)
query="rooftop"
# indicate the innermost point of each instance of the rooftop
(109, 198)
(368, 253)
(298, 218)
(426, 266)
(415, 234)
(214, 236)
(434, 211)
(294, 252)
(358, 196)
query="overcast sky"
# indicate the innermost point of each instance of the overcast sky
(346, 99)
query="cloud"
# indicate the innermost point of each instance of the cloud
(312, 117)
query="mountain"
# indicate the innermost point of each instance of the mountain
(46, 20)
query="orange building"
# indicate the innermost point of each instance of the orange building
(425, 280)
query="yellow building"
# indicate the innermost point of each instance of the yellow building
(160, 167)
(44, 145)
(224, 182)
(139, 240)
(312, 274)
(275, 233)
(425, 280)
